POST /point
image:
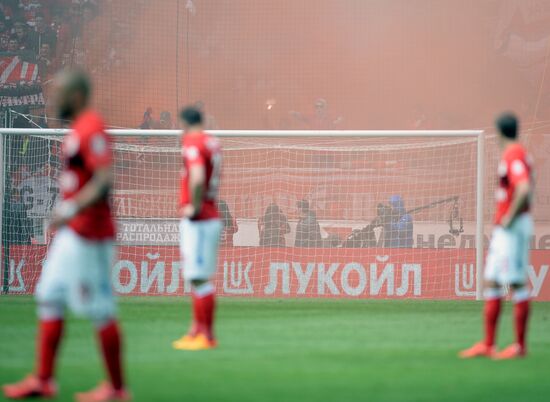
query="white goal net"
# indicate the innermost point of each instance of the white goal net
(306, 214)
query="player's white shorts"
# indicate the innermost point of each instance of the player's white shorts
(199, 243)
(77, 274)
(508, 256)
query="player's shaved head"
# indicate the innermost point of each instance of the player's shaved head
(507, 124)
(73, 93)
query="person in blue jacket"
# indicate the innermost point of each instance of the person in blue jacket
(397, 224)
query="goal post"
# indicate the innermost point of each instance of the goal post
(4, 256)
(343, 176)
(480, 222)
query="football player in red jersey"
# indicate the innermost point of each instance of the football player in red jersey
(200, 226)
(508, 256)
(76, 273)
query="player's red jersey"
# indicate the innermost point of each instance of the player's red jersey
(204, 150)
(87, 148)
(514, 168)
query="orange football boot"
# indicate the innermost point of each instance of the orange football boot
(200, 342)
(480, 349)
(30, 387)
(104, 392)
(513, 351)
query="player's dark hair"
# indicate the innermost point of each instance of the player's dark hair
(70, 83)
(191, 115)
(82, 84)
(507, 124)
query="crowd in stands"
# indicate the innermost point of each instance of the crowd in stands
(167, 122)
(164, 122)
(47, 29)
(46, 33)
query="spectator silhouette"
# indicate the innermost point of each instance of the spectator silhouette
(5, 33)
(26, 39)
(308, 231)
(15, 221)
(273, 226)
(13, 45)
(165, 121)
(148, 122)
(44, 34)
(320, 119)
(229, 224)
(45, 61)
(397, 225)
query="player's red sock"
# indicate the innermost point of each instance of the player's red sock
(208, 303)
(109, 337)
(492, 312)
(49, 335)
(204, 299)
(197, 315)
(521, 315)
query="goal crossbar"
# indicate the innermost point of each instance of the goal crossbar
(265, 133)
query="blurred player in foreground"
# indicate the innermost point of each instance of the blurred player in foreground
(509, 249)
(76, 273)
(200, 227)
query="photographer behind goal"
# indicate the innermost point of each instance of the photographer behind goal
(397, 224)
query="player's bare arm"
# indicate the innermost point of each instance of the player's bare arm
(93, 191)
(197, 179)
(520, 197)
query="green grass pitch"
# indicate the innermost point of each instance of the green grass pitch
(295, 350)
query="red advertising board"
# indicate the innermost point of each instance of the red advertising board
(295, 272)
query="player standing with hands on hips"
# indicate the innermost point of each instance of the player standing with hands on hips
(200, 226)
(508, 256)
(76, 273)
